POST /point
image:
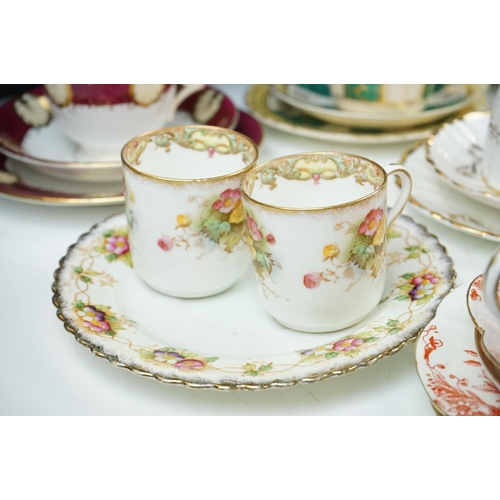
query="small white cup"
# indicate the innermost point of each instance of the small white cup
(101, 118)
(491, 158)
(184, 209)
(317, 226)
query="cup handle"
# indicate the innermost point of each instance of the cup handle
(490, 284)
(186, 90)
(405, 191)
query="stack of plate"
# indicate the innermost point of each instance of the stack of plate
(448, 185)
(41, 165)
(458, 353)
(304, 111)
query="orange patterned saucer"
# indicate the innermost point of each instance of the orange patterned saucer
(449, 365)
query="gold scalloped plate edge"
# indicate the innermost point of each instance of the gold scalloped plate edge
(278, 384)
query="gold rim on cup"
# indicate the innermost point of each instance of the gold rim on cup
(170, 131)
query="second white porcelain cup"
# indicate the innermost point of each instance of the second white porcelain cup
(316, 228)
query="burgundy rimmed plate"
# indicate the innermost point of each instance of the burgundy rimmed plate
(19, 181)
(28, 134)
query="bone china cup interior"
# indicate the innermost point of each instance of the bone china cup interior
(184, 210)
(100, 118)
(317, 229)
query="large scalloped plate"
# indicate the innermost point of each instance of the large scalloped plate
(228, 341)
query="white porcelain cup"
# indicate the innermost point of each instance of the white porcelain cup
(382, 98)
(316, 229)
(100, 118)
(184, 209)
(491, 158)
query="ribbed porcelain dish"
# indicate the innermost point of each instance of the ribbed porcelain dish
(228, 341)
(434, 197)
(456, 152)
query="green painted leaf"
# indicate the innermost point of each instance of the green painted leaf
(92, 273)
(251, 374)
(263, 259)
(392, 331)
(111, 318)
(145, 353)
(407, 276)
(331, 354)
(309, 357)
(250, 367)
(110, 333)
(392, 322)
(265, 368)
(215, 228)
(424, 299)
(78, 304)
(406, 287)
(85, 279)
(362, 254)
(78, 269)
(402, 297)
(108, 233)
(111, 256)
(212, 359)
(414, 251)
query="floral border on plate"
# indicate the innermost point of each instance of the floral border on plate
(91, 262)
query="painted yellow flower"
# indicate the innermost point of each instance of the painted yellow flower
(330, 251)
(252, 249)
(183, 220)
(131, 197)
(237, 215)
(379, 237)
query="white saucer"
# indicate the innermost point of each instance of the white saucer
(449, 366)
(228, 341)
(434, 197)
(456, 152)
(386, 121)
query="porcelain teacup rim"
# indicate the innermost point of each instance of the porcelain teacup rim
(258, 168)
(154, 133)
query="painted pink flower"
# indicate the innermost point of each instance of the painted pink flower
(190, 364)
(253, 229)
(117, 244)
(166, 243)
(312, 280)
(316, 178)
(347, 344)
(227, 200)
(372, 222)
(211, 152)
(271, 239)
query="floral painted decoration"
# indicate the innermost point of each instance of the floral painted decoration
(366, 251)
(219, 221)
